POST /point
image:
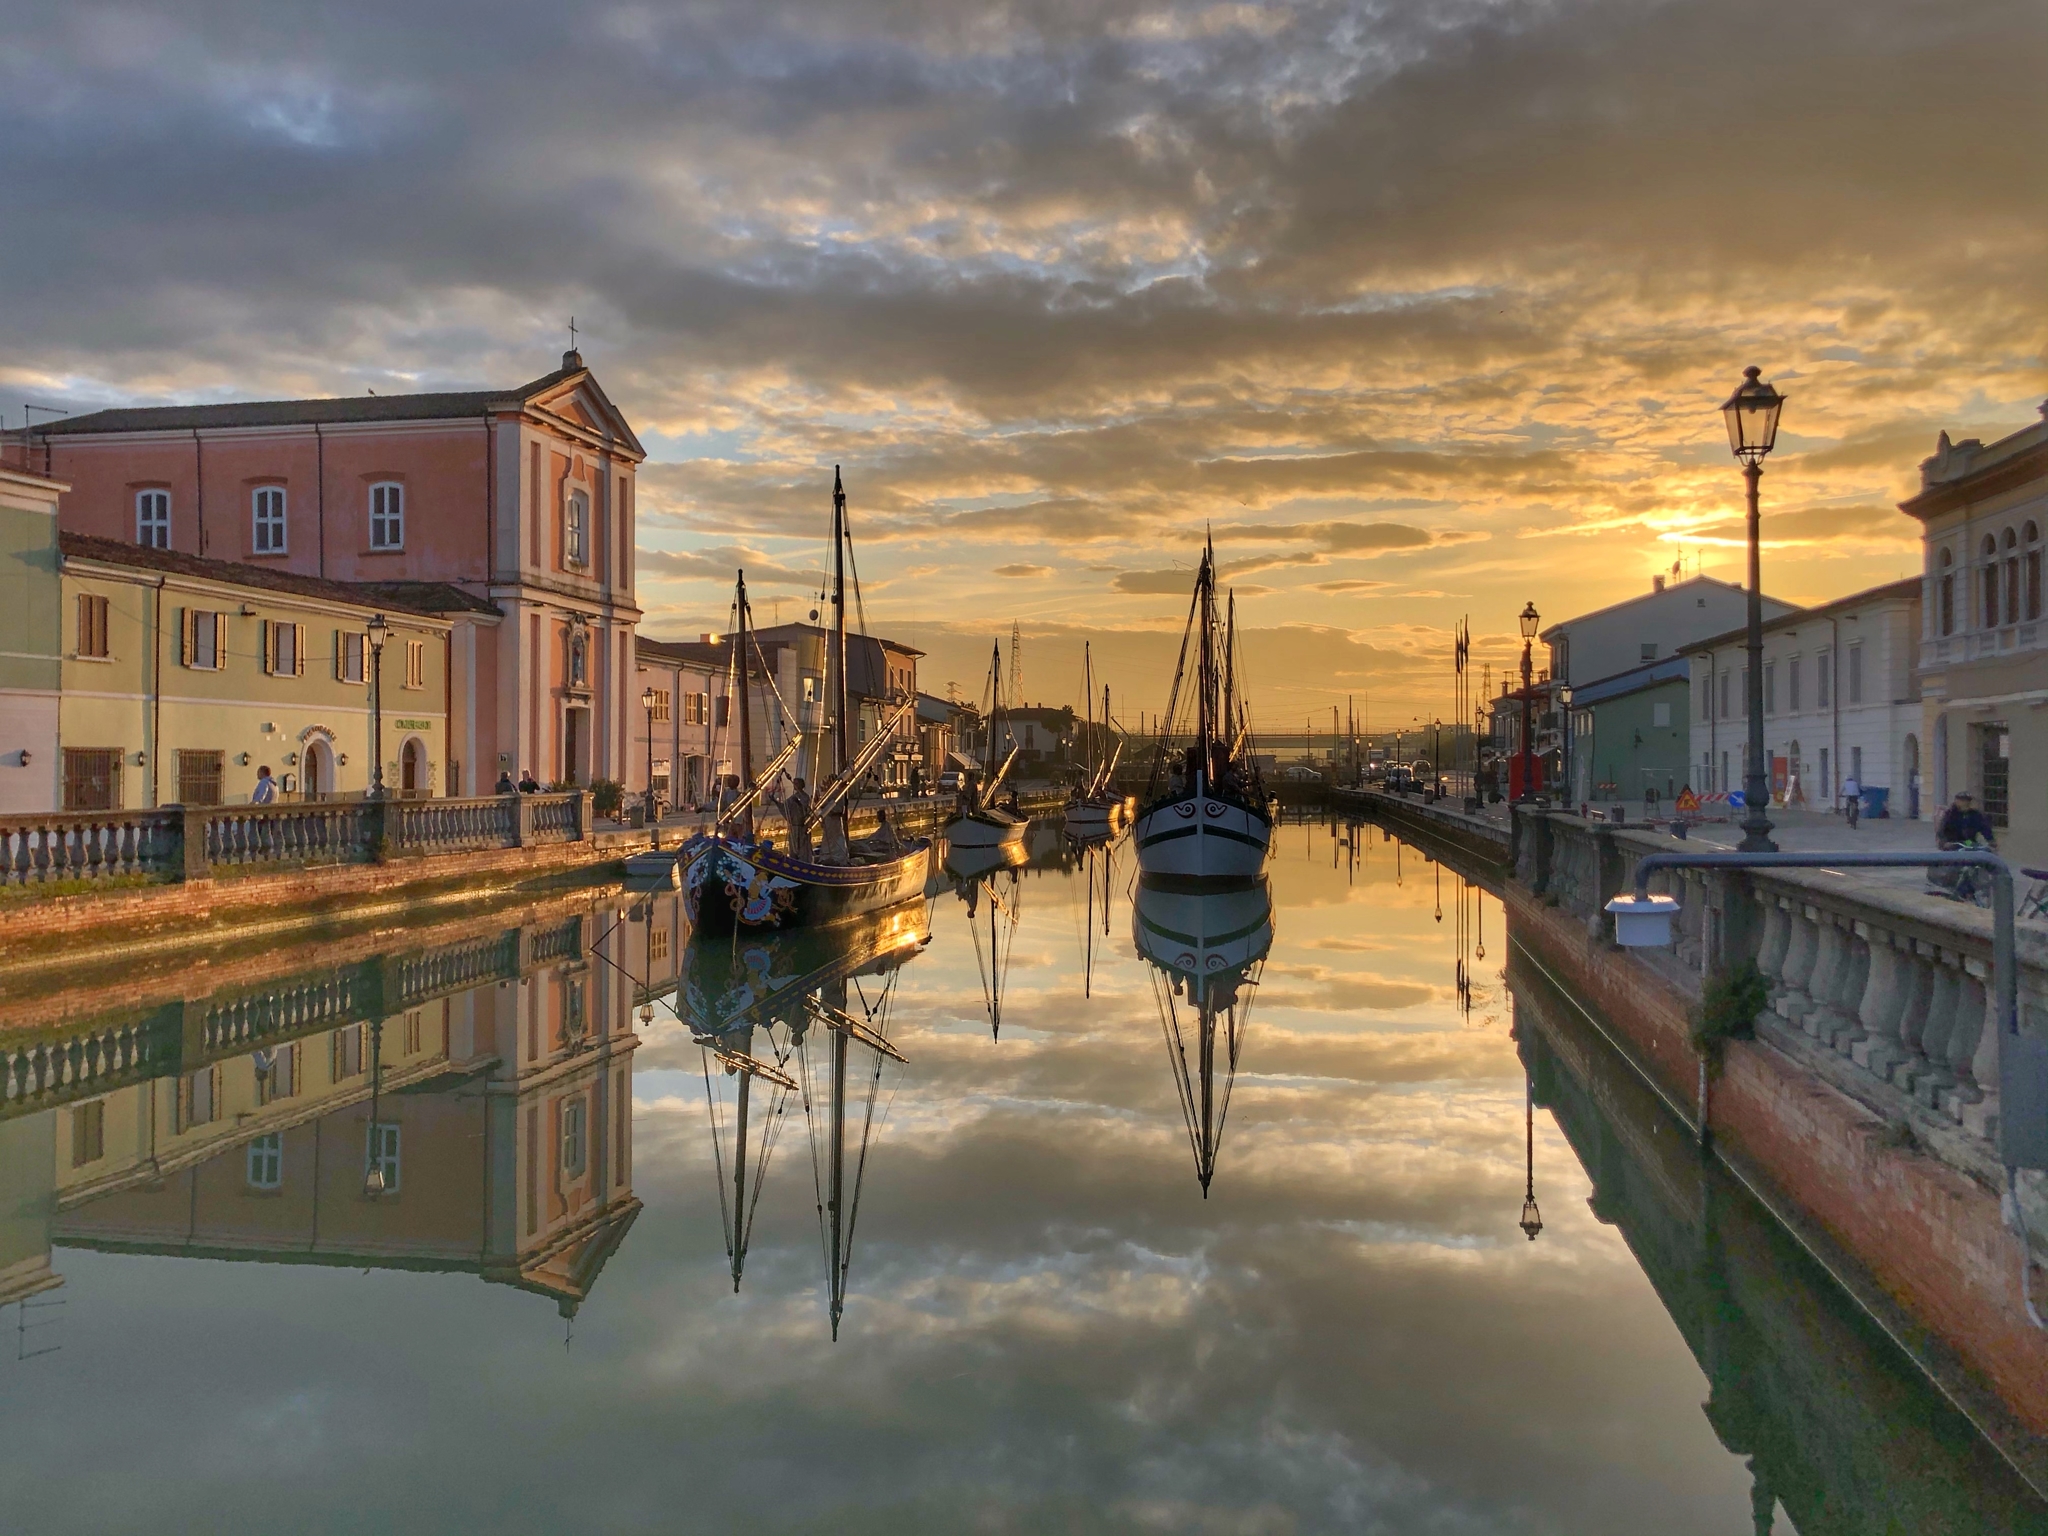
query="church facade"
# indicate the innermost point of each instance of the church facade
(523, 498)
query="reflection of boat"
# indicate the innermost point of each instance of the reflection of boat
(736, 880)
(982, 823)
(996, 887)
(1206, 947)
(785, 986)
(975, 863)
(1206, 813)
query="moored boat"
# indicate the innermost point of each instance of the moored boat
(1206, 814)
(983, 822)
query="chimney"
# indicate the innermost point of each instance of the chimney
(1656, 583)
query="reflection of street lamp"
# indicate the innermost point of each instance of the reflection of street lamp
(1752, 417)
(373, 1174)
(647, 702)
(1530, 620)
(1532, 1219)
(380, 631)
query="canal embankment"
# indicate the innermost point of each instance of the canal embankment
(130, 884)
(1863, 1112)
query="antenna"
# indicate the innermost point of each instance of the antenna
(1016, 663)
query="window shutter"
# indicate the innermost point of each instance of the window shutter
(298, 650)
(220, 642)
(269, 646)
(188, 631)
(339, 671)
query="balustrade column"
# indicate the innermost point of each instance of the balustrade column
(1828, 966)
(1939, 1029)
(1801, 952)
(1885, 992)
(1972, 1005)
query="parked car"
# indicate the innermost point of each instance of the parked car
(949, 782)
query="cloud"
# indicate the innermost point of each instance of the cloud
(1032, 572)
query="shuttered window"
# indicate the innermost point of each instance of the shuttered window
(415, 663)
(284, 648)
(205, 644)
(92, 625)
(199, 777)
(349, 650)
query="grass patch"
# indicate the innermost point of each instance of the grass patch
(1727, 1011)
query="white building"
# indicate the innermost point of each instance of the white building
(1654, 626)
(1841, 697)
(1983, 646)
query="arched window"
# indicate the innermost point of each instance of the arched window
(387, 516)
(1989, 579)
(2032, 563)
(267, 515)
(153, 519)
(576, 528)
(1945, 595)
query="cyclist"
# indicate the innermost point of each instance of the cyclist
(1962, 826)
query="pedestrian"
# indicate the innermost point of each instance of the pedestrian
(797, 811)
(1852, 800)
(505, 784)
(266, 788)
(528, 784)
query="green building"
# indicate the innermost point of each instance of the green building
(30, 641)
(1630, 734)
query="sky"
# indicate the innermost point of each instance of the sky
(1424, 310)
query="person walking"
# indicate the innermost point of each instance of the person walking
(266, 788)
(1852, 800)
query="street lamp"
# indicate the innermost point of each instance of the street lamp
(1564, 715)
(380, 631)
(1752, 417)
(647, 702)
(1530, 621)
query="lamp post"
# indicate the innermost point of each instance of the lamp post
(647, 702)
(380, 631)
(1752, 417)
(1564, 715)
(1436, 755)
(1530, 620)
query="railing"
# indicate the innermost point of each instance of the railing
(179, 842)
(86, 845)
(324, 832)
(1881, 988)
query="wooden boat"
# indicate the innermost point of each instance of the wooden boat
(1095, 807)
(733, 879)
(982, 823)
(1206, 944)
(1206, 814)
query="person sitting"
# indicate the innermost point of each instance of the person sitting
(1962, 824)
(505, 784)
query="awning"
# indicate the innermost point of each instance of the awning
(961, 762)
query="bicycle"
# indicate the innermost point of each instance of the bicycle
(1964, 882)
(2034, 904)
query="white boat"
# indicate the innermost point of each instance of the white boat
(1206, 815)
(982, 823)
(989, 827)
(1095, 807)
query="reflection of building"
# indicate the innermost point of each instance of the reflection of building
(1984, 647)
(502, 1126)
(1838, 1427)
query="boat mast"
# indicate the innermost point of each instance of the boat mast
(1205, 675)
(746, 716)
(739, 1184)
(1088, 703)
(837, 1278)
(1230, 676)
(839, 734)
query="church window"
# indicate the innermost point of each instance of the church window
(267, 504)
(576, 529)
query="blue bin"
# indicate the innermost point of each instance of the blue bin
(1874, 801)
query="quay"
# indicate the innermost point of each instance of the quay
(134, 883)
(1863, 1113)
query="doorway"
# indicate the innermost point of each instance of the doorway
(575, 743)
(412, 768)
(316, 780)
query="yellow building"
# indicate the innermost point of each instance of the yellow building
(182, 678)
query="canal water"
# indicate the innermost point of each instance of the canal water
(1175, 1214)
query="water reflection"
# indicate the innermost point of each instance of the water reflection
(1040, 1324)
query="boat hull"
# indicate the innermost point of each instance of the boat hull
(1202, 837)
(729, 887)
(978, 829)
(1199, 932)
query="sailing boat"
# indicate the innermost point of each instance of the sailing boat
(1206, 948)
(779, 985)
(1092, 810)
(734, 879)
(1210, 819)
(982, 823)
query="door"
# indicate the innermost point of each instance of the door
(412, 769)
(316, 781)
(572, 745)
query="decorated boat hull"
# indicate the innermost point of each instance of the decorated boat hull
(1202, 836)
(1202, 931)
(731, 886)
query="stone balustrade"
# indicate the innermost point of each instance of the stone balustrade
(192, 842)
(1881, 989)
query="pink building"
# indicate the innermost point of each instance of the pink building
(523, 497)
